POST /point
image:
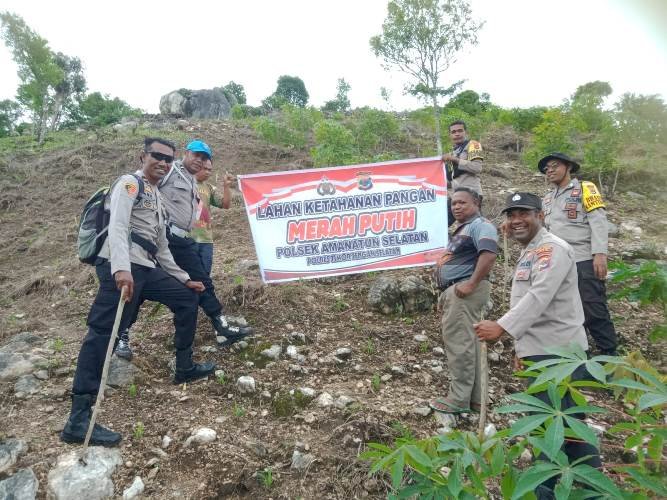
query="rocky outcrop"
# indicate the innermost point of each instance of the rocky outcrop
(206, 103)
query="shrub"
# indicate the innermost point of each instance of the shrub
(334, 145)
(553, 133)
(374, 130)
(275, 132)
(243, 111)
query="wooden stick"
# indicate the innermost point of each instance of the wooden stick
(105, 370)
(484, 381)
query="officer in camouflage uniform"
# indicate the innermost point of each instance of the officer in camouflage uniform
(574, 211)
(179, 188)
(545, 309)
(134, 256)
(463, 164)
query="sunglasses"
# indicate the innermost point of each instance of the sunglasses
(161, 157)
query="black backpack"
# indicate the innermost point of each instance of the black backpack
(94, 223)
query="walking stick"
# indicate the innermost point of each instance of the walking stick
(105, 371)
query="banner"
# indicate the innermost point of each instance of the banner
(345, 220)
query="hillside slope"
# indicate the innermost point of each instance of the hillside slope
(45, 291)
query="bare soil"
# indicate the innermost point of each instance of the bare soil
(44, 290)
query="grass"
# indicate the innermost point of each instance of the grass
(340, 305)
(238, 411)
(375, 382)
(58, 344)
(139, 431)
(266, 477)
(423, 347)
(369, 348)
(220, 379)
(286, 404)
(132, 391)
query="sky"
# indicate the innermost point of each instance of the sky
(530, 52)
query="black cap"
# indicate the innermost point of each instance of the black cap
(542, 165)
(523, 200)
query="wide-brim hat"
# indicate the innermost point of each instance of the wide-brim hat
(542, 165)
(522, 200)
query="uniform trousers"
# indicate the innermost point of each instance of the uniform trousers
(597, 320)
(186, 255)
(206, 255)
(461, 344)
(149, 284)
(573, 449)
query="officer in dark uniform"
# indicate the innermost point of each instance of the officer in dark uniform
(179, 188)
(574, 211)
(134, 257)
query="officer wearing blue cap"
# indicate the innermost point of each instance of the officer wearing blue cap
(181, 200)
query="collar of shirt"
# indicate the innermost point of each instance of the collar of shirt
(535, 241)
(461, 147)
(469, 221)
(574, 183)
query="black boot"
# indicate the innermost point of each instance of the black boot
(225, 334)
(79, 420)
(187, 370)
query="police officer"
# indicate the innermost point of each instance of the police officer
(574, 210)
(545, 309)
(179, 189)
(134, 257)
(463, 164)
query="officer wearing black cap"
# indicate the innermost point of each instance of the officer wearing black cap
(574, 210)
(545, 309)
(179, 188)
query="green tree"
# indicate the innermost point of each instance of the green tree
(334, 145)
(100, 110)
(291, 90)
(342, 101)
(642, 118)
(553, 133)
(470, 101)
(236, 90)
(422, 38)
(10, 111)
(69, 91)
(586, 106)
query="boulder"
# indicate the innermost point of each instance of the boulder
(384, 295)
(73, 480)
(10, 450)
(122, 373)
(245, 384)
(135, 489)
(416, 295)
(205, 103)
(21, 486)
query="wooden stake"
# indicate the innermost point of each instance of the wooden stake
(105, 371)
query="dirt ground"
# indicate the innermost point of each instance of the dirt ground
(44, 290)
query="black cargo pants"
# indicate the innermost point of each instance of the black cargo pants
(186, 255)
(149, 284)
(597, 321)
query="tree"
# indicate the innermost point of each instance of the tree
(586, 106)
(291, 90)
(10, 111)
(48, 81)
(236, 90)
(642, 118)
(342, 101)
(100, 110)
(422, 38)
(470, 101)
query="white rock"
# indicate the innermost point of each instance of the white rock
(343, 401)
(10, 450)
(309, 392)
(301, 461)
(420, 338)
(41, 375)
(385, 378)
(292, 351)
(209, 348)
(439, 351)
(135, 489)
(397, 370)
(72, 480)
(325, 400)
(343, 353)
(423, 411)
(22, 485)
(493, 356)
(447, 422)
(490, 430)
(166, 441)
(201, 436)
(437, 369)
(219, 373)
(245, 384)
(293, 368)
(272, 352)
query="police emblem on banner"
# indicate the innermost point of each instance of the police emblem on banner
(326, 188)
(364, 181)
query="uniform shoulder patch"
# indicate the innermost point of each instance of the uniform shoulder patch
(475, 151)
(132, 188)
(543, 256)
(591, 197)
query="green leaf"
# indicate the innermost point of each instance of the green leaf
(421, 458)
(646, 481)
(655, 446)
(597, 370)
(658, 333)
(622, 426)
(554, 437)
(454, 482)
(584, 409)
(515, 409)
(497, 460)
(593, 477)
(633, 440)
(534, 476)
(556, 373)
(577, 397)
(531, 400)
(508, 483)
(650, 400)
(630, 384)
(527, 424)
(397, 472)
(564, 487)
(582, 430)
(572, 351)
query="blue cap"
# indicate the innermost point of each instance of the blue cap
(198, 146)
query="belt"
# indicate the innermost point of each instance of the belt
(177, 231)
(449, 283)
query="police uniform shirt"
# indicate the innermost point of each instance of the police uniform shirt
(466, 173)
(146, 218)
(180, 195)
(576, 214)
(545, 309)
